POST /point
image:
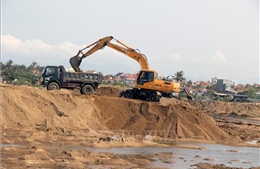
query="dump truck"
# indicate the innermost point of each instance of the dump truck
(56, 77)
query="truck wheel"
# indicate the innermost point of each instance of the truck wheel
(129, 94)
(153, 97)
(53, 86)
(237, 100)
(87, 89)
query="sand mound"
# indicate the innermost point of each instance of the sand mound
(60, 111)
(109, 90)
(51, 129)
(178, 119)
(229, 108)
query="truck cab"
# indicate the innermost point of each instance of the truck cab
(50, 73)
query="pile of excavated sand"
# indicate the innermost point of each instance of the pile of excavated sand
(33, 109)
(229, 108)
(109, 90)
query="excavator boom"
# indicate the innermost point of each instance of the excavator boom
(100, 44)
(140, 58)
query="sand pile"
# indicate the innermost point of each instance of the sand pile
(178, 119)
(61, 111)
(51, 129)
(229, 108)
(109, 90)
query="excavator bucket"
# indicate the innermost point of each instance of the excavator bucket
(75, 62)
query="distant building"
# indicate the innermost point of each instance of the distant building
(214, 80)
(119, 74)
(225, 86)
(130, 78)
(90, 71)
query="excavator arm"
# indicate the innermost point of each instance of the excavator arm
(75, 61)
(189, 97)
(100, 44)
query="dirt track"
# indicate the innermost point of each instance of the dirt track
(46, 124)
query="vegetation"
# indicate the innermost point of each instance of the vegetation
(20, 74)
(179, 76)
(121, 84)
(250, 92)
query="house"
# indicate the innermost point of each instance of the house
(90, 71)
(130, 78)
(255, 85)
(239, 88)
(201, 84)
(204, 84)
(119, 74)
(36, 72)
(214, 80)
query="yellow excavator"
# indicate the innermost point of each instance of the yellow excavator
(148, 85)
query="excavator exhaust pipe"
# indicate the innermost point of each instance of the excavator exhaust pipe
(75, 62)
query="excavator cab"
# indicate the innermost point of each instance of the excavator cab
(144, 77)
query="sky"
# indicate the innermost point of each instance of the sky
(202, 38)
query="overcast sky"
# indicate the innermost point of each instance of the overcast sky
(205, 39)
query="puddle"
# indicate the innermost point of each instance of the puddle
(253, 142)
(9, 145)
(231, 156)
(244, 119)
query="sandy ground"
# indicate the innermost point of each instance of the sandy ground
(49, 129)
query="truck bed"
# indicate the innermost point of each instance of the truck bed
(81, 77)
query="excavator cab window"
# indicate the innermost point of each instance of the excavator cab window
(150, 76)
(145, 77)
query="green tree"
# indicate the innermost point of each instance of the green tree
(189, 83)
(8, 75)
(250, 92)
(8, 64)
(19, 74)
(179, 76)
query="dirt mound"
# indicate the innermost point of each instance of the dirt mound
(59, 111)
(54, 127)
(229, 108)
(179, 119)
(109, 90)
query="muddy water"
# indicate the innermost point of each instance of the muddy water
(244, 119)
(231, 156)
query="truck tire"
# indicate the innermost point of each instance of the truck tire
(129, 94)
(87, 89)
(153, 97)
(53, 86)
(237, 100)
